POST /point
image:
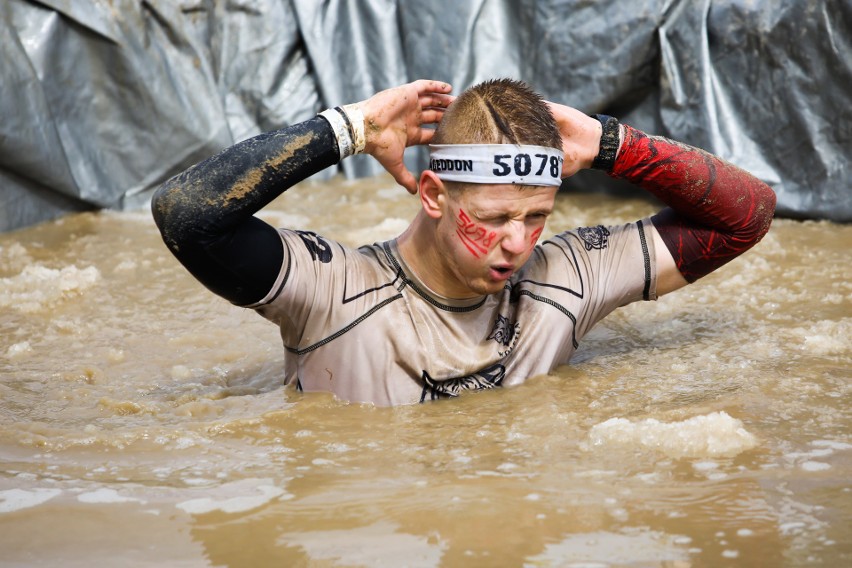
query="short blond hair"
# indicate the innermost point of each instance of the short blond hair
(499, 111)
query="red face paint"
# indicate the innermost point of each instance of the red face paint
(535, 235)
(473, 236)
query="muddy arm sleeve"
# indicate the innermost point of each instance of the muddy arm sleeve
(205, 214)
(716, 210)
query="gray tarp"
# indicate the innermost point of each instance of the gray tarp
(101, 100)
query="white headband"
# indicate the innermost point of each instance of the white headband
(497, 163)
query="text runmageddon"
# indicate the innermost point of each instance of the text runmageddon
(437, 165)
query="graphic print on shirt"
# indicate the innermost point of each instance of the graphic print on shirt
(506, 334)
(316, 245)
(594, 237)
(487, 378)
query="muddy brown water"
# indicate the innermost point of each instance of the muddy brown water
(143, 422)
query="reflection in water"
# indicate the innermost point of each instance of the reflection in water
(142, 418)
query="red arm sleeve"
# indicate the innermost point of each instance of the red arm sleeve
(716, 210)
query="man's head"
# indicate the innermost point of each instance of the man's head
(486, 226)
(498, 111)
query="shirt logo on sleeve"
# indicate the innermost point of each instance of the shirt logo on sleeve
(594, 237)
(317, 246)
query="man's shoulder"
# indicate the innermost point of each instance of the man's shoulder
(583, 251)
(594, 237)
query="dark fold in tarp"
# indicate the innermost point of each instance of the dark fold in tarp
(102, 100)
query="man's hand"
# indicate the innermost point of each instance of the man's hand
(581, 138)
(394, 120)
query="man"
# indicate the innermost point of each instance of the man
(465, 298)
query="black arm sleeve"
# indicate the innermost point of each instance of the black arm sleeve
(205, 214)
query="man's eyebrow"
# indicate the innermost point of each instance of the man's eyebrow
(541, 211)
(494, 213)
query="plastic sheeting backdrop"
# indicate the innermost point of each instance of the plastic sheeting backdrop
(103, 99)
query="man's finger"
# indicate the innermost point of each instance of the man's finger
(435, 100)
(406, 179)
(427, 85)
(431, 116)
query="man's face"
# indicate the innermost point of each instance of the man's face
(488, 232)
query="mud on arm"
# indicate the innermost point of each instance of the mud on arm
(206, 214)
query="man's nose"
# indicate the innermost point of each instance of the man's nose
(515, 238)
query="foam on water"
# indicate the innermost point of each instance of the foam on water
(378, 544)
(17, 499)
(603, 549)
(712, 435)
(817, 458)
(825, 337)
(18, 349)
(13, 257)
(106, 495)
(37, 287)
(235, 497)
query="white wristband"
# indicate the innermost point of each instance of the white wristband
(356, 121)
(341, 132)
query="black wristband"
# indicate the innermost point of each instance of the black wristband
(610, 139)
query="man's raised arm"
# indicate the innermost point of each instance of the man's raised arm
(716, 210)
(206, 213)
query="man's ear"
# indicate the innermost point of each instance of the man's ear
(433, 194)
